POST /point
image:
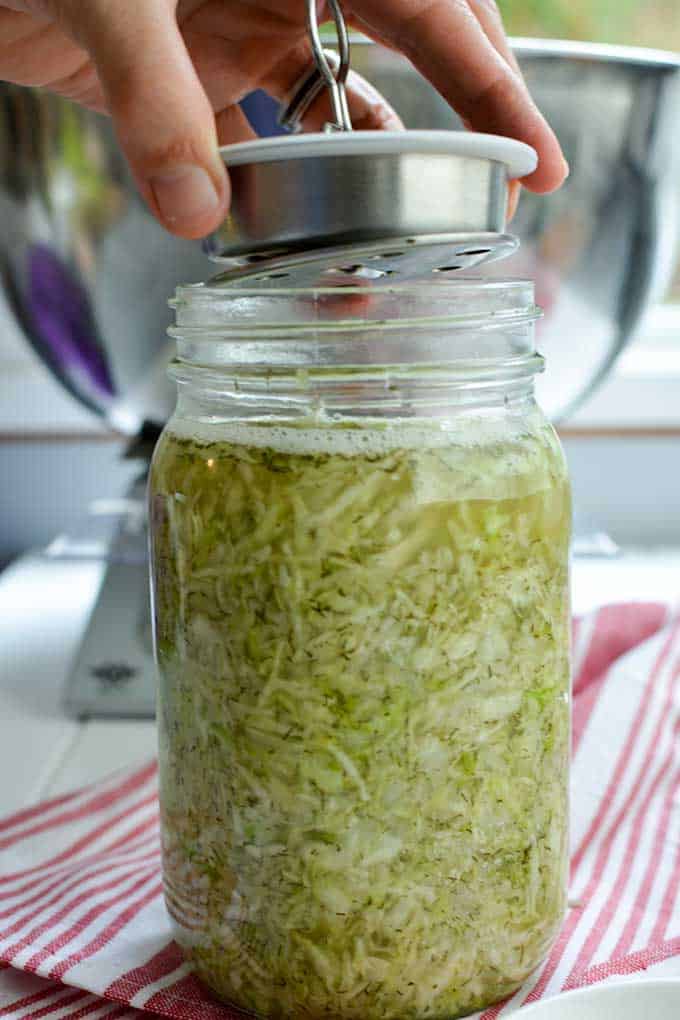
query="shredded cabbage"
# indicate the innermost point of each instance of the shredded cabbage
(363, 717)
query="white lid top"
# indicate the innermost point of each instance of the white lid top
(520, 159)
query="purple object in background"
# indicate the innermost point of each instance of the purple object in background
(262, 111)
(64, 329)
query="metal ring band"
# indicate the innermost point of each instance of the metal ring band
(304, 93)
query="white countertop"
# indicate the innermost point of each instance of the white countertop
(44, 607)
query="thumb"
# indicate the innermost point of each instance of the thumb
(163, 119)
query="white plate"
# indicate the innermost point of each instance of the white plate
(629, 1000)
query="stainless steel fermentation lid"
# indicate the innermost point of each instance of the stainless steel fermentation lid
(367, 204)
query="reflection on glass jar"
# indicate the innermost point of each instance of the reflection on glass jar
(360, 528)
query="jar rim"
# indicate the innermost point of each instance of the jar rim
(207, 309)
(212, 288)
(414, 327)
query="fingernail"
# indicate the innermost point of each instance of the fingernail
(514, 192)
(184, 194)
(566, 168)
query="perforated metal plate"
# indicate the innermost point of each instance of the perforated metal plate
(396, 259)
(367, 204)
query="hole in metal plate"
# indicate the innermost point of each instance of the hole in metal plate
(357, 269)
(445, 269)
(475, 251)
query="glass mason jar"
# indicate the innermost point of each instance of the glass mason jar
(360, 531)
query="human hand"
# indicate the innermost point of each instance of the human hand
(172, 72)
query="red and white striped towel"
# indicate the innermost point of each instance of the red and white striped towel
(83, 930)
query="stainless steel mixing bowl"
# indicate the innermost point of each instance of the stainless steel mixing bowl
(603, 248)
(87, 271)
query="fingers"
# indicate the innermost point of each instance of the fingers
(449, 45)
(233, 126)
(162, 116)
(489, 17)
(369, 110)
(227, 76)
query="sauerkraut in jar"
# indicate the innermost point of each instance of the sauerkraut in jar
(362, 630)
